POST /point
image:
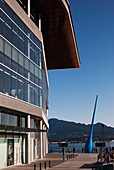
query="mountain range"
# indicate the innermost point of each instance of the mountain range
(60, 130)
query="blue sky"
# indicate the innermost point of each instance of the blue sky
(72, 91)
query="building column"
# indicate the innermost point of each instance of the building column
(46, 142)
(29, 8)
(28, 125)
(41, 140)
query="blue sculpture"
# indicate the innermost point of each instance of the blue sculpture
(88, 145)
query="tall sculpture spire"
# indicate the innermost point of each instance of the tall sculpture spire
(88, 145)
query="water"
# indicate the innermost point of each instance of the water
(78, 147)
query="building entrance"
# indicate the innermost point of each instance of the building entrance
(10, 152)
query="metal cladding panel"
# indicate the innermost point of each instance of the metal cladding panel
(58, 33)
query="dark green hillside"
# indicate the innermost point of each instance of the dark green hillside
(60, 130)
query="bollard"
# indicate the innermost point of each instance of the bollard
(40, 166)
(34, 166)
(67, 157)
(45, 165)
(49, 164)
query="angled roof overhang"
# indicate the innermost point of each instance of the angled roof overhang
(58, 34)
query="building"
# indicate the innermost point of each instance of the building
(34, 36)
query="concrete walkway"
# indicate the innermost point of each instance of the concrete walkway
(80, 161)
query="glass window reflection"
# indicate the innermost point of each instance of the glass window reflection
(7, 81)
(1, 44)
(31, 93)
(14, 55)
(22, 122)
(14, 85)
(8, 49)
(26, 85)
(4, 119)
(20, 88)
(22, 76)
(36, 95)
(12, 120)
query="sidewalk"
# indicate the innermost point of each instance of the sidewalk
(54, 161)
(82, 161)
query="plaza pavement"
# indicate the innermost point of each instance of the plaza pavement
(78, 161)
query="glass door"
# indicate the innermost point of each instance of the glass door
(10, 152)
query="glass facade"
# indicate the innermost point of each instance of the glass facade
(23, 77)
(12, 119)
(21, 72)
(18, 119)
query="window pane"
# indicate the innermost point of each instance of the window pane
(40, 74)
(1, 49)
(32, 93)
(14, 35)
(21, 40)
(36, 80)
(32, 77)
(36, 55)
(20, 87)
(14, 85)
(1, 78)
(32, 123)
(40, 58)
(26, 73)
(8, 49)
(7, 81)
(8, 31)
(36, 96)
(26, 90)
(12, 120)
(36, 71)
(40, 97)
(31, 51)
(1, 44)
(15, 55)
(4, 119)
(21, 59)
(14, 66)
(22, 121)
(21, 70)
(26, 46)
(32, 68)
(21, 64)
(7, 61)
(26, 63)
